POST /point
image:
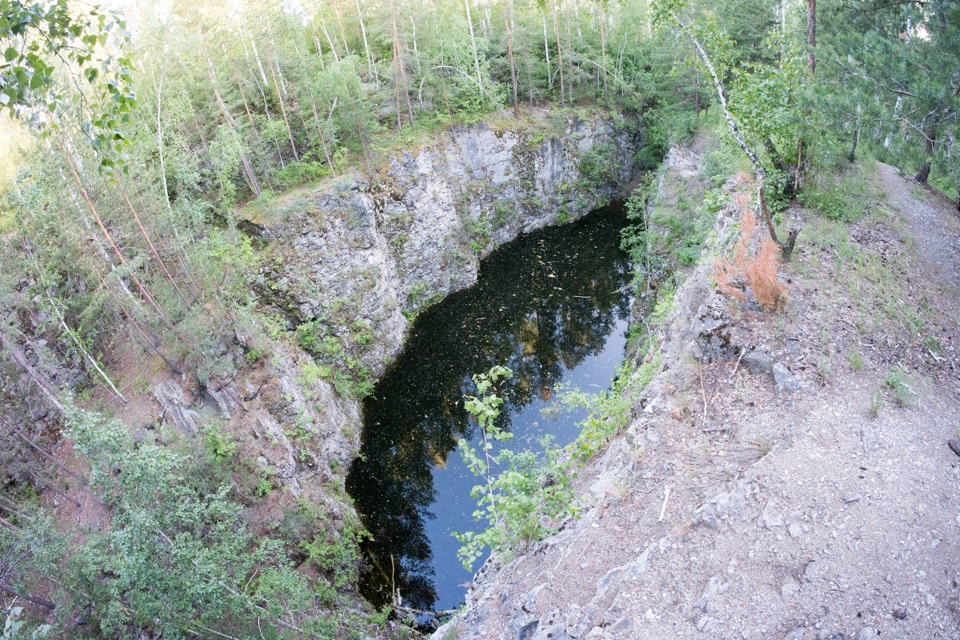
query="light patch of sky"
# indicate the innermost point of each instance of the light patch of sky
(15, 140)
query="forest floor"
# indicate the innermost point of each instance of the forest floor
(732, 511)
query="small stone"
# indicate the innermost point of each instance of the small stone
(784, 382)
(789, 590)
(868, 633)
(527, 630)
(771, 516)
(706, 624)
(931, 600)
(795, 530)
(758, 362)
(796, 634)
(811, 571)
(706, 515)
(831, 635)
(705, 605)
(714, 586)
(623, 624)
(900, 613)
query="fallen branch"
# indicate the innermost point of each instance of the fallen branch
(663, 509)
(35, 600)
(46, 455)
(33, 373)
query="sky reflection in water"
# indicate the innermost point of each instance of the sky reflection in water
(552, 306)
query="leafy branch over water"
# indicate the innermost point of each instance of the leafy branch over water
(535, 491)
(517, 502)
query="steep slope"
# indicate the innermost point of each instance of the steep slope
(786, 475)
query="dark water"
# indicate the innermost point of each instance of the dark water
(553, 307)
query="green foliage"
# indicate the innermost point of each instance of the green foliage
(217, 445)
(350, 377)
(297, 173)
(175, 554)
(898, 383)
(15, 627)
(513, 502)
(36, 39)
(845, 199)
(855, 360)
(609, 413)
(596, 166)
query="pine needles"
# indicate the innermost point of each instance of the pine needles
(753, 271)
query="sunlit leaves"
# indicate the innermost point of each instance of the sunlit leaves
(48, 49)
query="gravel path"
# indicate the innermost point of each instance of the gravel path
(934, 223)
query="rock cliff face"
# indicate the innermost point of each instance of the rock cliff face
(351, 264)
(363, 257)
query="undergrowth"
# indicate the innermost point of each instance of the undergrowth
(754, 270)
(532, 492)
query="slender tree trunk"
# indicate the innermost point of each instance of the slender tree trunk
(333, 48)
(696, 90)
(180, 250)
(786, 248)
(343, 34)
(811, 36)
(44, 454)
(35, 375)
(152, 342)
(400, 70)
(323, 143)
(106, 234)
(256, 55)
(571, 75)
(396, 87)
(46, 604)
(473, 45)
(603, 49)
(546, 53)
(283, 111)
(856, 138)
(556, 34)
(924, 173)
(153, 249)
(83, 350)
(576, 19)
(416, 50)
(244, 160)
(371, 67)
(443, 85)
(246, 108)
(508, 19)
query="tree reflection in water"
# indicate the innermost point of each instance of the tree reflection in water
(544, 305)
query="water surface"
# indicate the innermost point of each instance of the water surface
(553, 306)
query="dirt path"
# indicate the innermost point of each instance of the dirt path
(728, 511)
(934, 223)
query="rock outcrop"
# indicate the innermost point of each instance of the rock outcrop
(361, 258)
(352, 262)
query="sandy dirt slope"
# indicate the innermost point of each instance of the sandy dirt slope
(728, 510)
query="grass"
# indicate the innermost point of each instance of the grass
(898, 383)
(855, 360)
(876, 403)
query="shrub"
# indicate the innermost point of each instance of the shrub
(897, 382)
(516, 501)
(174, 551)
(298, 173)
(757, 271)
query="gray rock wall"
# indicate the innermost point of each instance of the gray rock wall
(364, 256)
